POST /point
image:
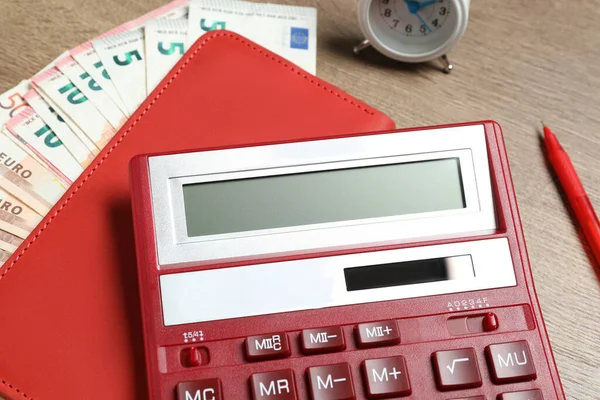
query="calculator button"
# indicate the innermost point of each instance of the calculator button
(276, 385)
(323, 340)
(267, 347)
(456, 369)
(510, 362)
(383, 333)
(471, 398)
(535, 394)
(386, 377)
(209, 389)
(331, 382)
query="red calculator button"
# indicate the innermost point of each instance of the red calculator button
(510, 362)
(535, 394)
(267, 347)
(471, 398)
(456, 369)
(383, 333)
(331, 382)
(276, 385)
(323, 340)
(209, 389)
(386, 377)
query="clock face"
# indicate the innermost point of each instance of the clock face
(415, 18)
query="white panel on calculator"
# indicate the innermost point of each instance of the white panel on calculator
(169, 174)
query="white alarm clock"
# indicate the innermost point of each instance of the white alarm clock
(413, 31)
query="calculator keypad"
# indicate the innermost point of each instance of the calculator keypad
(382, 378)
(276, 385)
(202, 389)
(331, 382)
(386, 377)
(456, 369)
(510, 362)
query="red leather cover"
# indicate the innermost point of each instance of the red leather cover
(71, 326)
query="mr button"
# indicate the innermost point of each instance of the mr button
(276, 385)
(510, 362)
(205, 389)
(267, 347)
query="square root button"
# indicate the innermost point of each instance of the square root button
(331, 382)
(456, 369)
(510, 362)
(386, 378)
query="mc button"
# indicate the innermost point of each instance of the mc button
(205, 389)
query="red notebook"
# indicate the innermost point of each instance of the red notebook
(70, 321)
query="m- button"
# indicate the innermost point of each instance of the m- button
(510, 362)
(205, 389)
(331, 382)
(386, 377)
(267, 347)
(383, 333)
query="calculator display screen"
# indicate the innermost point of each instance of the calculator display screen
(322, 197)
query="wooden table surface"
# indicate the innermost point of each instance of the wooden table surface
(519, 62)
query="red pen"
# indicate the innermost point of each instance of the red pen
(576, 195)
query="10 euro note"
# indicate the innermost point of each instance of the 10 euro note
(165, 45)
(23, 177)
(77, 143)
(33, 132)
(92, 90)
(76, 105)
(290, 31)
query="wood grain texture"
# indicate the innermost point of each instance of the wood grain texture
(520, 61)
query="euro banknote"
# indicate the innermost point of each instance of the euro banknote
(165, 45)
(54, 124)
(289, 31)
(36, 135)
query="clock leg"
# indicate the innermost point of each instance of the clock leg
(363, 45)
(446, 63)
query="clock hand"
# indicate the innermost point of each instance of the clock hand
(427, 3)
(423, 21)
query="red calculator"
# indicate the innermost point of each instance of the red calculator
(372, 266)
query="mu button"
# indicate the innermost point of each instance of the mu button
(331, 382)
(204, 389)
(386, 377)
(510, 362)
(456, 369)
